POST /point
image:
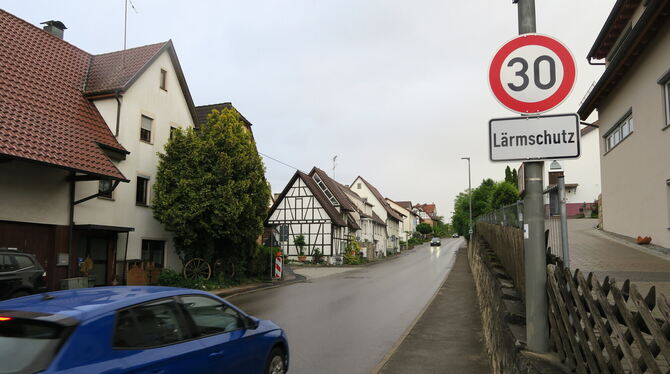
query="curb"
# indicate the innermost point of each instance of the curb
(261, 287)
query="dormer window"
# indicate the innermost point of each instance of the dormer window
(163, 79)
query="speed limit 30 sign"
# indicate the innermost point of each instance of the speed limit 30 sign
(532, 73)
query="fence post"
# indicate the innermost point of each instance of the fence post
(564, 221)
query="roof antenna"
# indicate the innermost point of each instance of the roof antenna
(125, 28)
(334, 164)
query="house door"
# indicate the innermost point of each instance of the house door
(98, 253)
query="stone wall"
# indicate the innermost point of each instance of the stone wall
(503, 317)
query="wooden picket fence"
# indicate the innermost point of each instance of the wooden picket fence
(601, 328)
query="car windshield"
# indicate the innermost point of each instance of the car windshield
(28, 346)
(436, 239)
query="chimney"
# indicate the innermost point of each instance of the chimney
(55, 28)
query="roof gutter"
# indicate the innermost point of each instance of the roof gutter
(605, 29)
(615, 64)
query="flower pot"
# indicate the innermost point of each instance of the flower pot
(302, 258)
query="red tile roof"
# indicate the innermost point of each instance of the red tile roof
(203, 111)
(335, 188)
(428, 208)
(113, 71)
(330, 209)
(44, 116)
(405, 204)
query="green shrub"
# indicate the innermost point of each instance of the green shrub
(171, 278)
(317, 257)
(261, 262)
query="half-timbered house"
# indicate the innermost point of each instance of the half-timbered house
(309, 208)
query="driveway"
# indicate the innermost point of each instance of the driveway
(593, 250)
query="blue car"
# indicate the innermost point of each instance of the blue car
(138, 330)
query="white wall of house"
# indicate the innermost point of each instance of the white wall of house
(636, 194)
(585, 171)
(407, 224)
(167, 108)
(393, 235)
(360, 188)
(365, 234)
(30, 192)
(364, 192)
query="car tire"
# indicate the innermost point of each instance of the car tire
(19, 293)
(276, 362)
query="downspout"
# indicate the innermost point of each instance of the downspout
(118, 112)
(125, 261)
(70, 239)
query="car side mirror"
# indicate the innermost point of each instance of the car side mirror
(250, 324)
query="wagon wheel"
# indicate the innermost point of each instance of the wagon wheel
(197, 268)
(225, 267)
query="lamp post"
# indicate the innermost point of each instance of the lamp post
(469, 192)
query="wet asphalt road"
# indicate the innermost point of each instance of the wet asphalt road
(348, 322)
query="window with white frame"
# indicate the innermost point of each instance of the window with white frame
(145, 129)
(619, 132)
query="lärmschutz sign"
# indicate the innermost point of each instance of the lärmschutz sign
(534, 137)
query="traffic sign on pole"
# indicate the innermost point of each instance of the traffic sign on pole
(532, 73)
(534, 137)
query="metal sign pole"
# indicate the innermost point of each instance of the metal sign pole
(537, 329)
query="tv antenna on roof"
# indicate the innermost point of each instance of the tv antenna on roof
(334, 164)
(125, 20)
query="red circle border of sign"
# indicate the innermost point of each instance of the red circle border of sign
(561, 93)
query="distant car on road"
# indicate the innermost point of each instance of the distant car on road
(133, 329)
(454, 236)
(435, 241)
(20, 274)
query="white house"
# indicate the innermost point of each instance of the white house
(78, 150)
(373, 228)
(392, 219)
(581, 175)
(409, 218)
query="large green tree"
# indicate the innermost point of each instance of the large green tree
(211, 191)
(482, 200)
(504, 193)
(424, 228)
(460, 220)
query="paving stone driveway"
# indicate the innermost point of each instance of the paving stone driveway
(593, 250)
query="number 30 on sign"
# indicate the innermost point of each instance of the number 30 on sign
(532, 73)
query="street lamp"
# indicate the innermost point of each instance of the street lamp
(469, 192)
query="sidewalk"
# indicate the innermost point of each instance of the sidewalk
(602, 253)
(290, 277)
(447, 337)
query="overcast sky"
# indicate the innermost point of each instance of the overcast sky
(396, 89)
